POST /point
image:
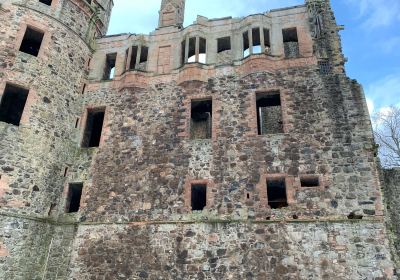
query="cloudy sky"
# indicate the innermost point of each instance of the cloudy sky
(371, 39)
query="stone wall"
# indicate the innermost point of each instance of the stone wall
(391, 190)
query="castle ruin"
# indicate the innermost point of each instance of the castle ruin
(233, 148)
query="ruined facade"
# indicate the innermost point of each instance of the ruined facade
(234, 148)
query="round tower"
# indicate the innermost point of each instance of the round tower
(45, 49)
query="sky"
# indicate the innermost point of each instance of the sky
(371, 39)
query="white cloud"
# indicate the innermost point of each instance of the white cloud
(377, 13)
(384, 92)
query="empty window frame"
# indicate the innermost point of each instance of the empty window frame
(31, 41)
(93, 127)
(109, 69)
(202, 50)
(12, 104)
(134, 55)
(74, 195)
(256, 40)
(267, 41)
(276, 192)
(309, 181)
(246, 44)
(198, 197)
(223, 44)
(46, 2)
(201, 119)
(291, 43)
(192, 50)
(269, 113)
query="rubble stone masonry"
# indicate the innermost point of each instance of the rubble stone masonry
(135, 218)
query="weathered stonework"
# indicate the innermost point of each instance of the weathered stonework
(135, 219)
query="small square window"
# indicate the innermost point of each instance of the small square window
(199, 197)
(224, 44)
(309, 181)
(32, 41)
(12, 104)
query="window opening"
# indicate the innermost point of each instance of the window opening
(93, 128)
(109, 70)
(269, 113)
(192, 50)
(324, 67)
(74, 197)
(224, 44)
(133, 57)
(246, 44)
(256, 40)
(183, 50)
(12, 104)
(276, 191)
(32, 41)
(291, 43)
(267, 41)
(202, 50)
(199, 197)
(309, 181)
(201, 119)
(46, 2)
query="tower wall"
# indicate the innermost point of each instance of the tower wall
(34, 155)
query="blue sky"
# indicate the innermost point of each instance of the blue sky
(371, 39)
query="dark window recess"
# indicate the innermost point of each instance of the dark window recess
(144, 54)
(183, 48)
(199, 197)
(109, 69)
(269, 113)
(12, 104)
(224, 44)
(192, 50)
(202, 50)
(93, 128)
(74, 197)
(267, 41)
(309, 182)
(291, 43)
(201, 119)
(46, 2)
(32, 41)
(133, 57)
(276, 191)
(324, 67)
(246, 44)
(256, 40)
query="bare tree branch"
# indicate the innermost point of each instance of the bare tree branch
(387, 135)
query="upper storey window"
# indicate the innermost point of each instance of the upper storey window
(138, 58)
(194, 49)
(224, 52)
(109, 69)
(32, 41)
(46, 2)
(291, 43)
(256, 41)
